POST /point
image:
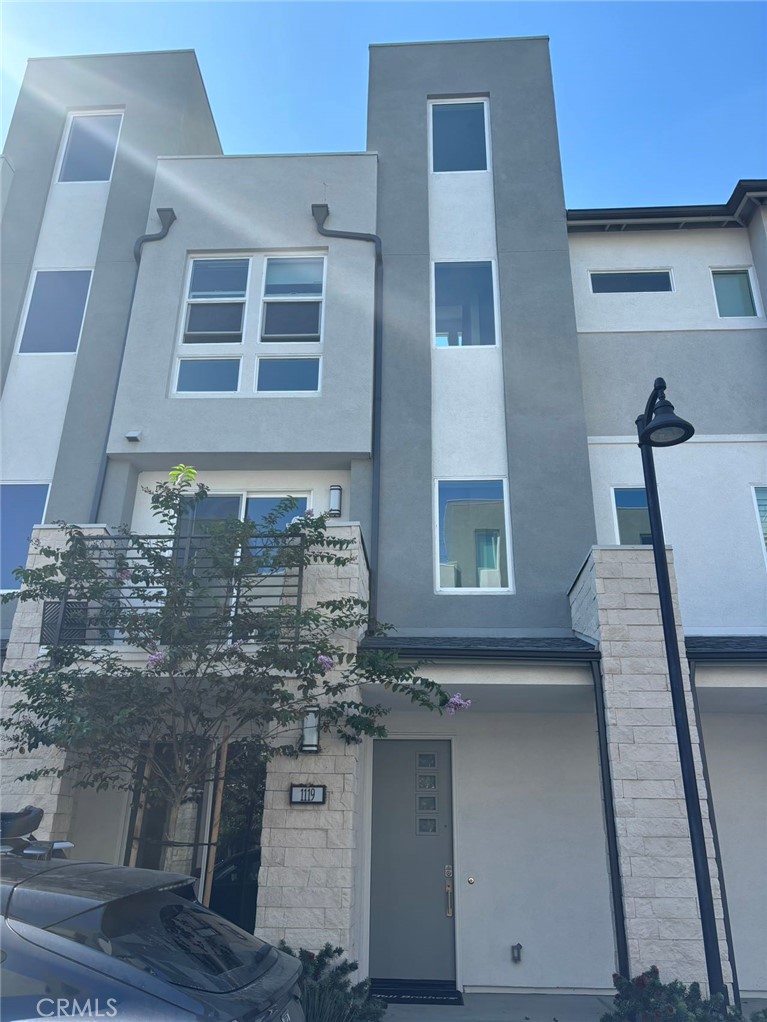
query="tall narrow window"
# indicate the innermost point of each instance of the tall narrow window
(292, 300)
(761, 508)
(90, 149)
(21, 508)
(56, 310)
(458, 136)
(633, 516)
(464, 312)
(472, 534)
(733, 293)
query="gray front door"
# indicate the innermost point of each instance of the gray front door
(411, 897)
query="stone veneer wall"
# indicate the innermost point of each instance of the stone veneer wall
(309, 855)
(614, 601)
(51, 794)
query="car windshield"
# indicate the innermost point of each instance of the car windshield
(174, 939)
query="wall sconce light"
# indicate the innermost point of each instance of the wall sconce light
(133, 436)
(310, 737)
(334, 506)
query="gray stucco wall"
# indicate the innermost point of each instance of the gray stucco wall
(165, 111)
(717, 378)
(551, 508)
(252, 205)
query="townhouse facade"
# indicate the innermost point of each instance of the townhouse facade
(421, 339)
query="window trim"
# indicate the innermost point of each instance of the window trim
(107, 112)
(28, 304)
(496, 306)
(30, 482)
(474, 590)
(321, 299)
(634, 269)
(759, 530)
(207, 393)
(454, 101)
(195, 345)
(752, 283)
(273, 356)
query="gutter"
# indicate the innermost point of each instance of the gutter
(167, 217)
(320, 212)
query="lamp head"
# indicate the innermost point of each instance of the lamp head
(665, 428)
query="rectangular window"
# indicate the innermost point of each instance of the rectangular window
(286, 374)
(464, 311)
(90, 149)
(56, 310)
(21, 508)
(631, 281)
(207, 375)
(472, 534)
(212, 317)
(633, 516)
(292, 300)
(733, 293)
(458, 136)
(761, 509)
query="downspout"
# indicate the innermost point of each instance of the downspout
(320, 212)
(167, 216)
(616, 885)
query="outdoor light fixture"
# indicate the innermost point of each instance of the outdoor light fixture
(334, 505)
(310, 737)
(660, 427)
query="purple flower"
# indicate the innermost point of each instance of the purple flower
(35, 667)
(156, 660)
(456, 703)
(124, 574)
(326, 663)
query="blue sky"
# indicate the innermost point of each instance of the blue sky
(658, 103)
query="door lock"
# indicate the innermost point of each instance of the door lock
(449, 891)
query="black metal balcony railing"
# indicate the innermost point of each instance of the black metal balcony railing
(120, 590)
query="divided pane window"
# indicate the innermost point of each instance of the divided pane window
(632, 281)
(633, 517)
(90, 150)
(761, 506)
(733, 293)
(458, 136)
(472, 535)
(205, 375)
(56, 310)
(286, 374)
(21, 508)
(212, 317)
(464, 313)
(292, 300)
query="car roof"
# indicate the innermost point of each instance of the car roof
(43, 893)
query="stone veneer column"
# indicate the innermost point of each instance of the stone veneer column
(306, 891)
(614, 601)
(51, 794)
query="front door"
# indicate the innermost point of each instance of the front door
(411, 899)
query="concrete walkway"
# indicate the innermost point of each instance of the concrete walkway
(507, 1008)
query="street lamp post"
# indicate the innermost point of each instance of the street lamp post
(660, 427)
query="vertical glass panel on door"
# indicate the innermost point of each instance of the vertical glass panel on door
(472, 535)
(21, 508)
(458, 137)
(633, 517)
(733, 293)
(90, 150)
(464, 312)
(56, 310)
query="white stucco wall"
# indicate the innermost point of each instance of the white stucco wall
(709, 518)
(689, 255)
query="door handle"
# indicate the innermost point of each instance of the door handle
(449, 896)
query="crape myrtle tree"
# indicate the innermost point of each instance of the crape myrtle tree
(187, 641)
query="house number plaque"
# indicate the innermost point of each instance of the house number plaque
(308, 794)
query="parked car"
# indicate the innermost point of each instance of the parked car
(88, 939)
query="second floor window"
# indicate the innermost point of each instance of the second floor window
(230, 346)
(464, 308)
(632, 516)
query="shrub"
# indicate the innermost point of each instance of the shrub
(327, 992)
(646, 999)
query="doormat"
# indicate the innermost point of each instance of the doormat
(415, 991)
